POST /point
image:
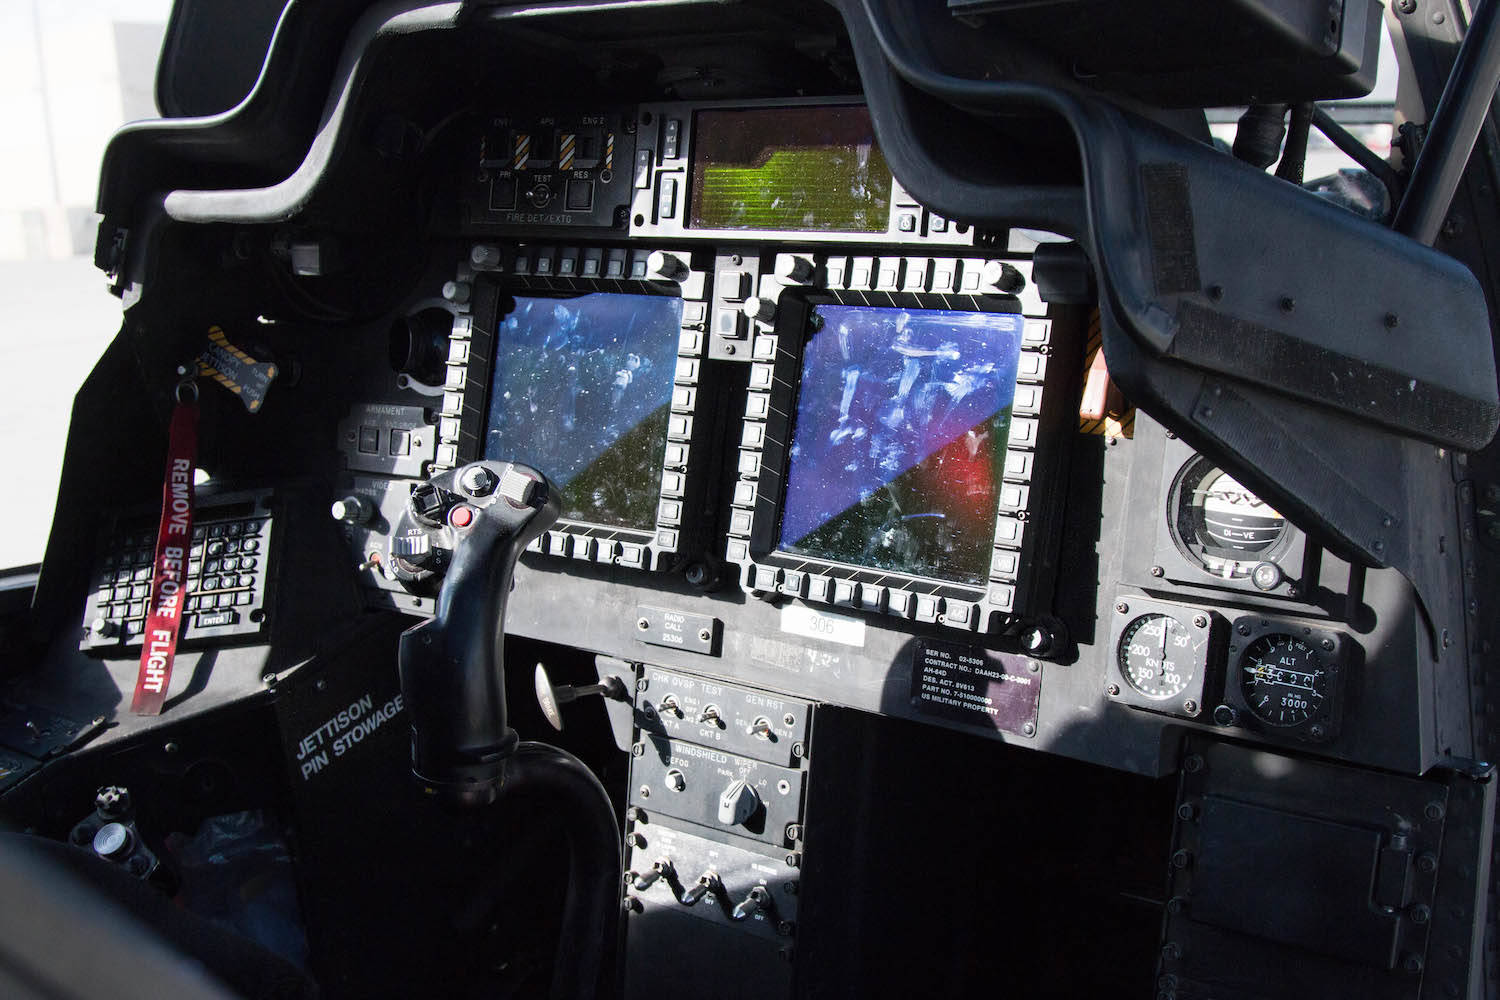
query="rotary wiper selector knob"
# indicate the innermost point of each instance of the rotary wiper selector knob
(738, 803)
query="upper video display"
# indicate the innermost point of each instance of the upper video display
(898, 445)
(803, 169)
(581, 390)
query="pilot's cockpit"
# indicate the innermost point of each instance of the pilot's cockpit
(763, 500)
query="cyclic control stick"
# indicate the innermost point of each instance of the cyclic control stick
(468, 527)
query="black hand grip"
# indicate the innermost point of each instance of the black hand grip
(453, 666)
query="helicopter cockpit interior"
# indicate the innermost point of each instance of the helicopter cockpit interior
(769, 499)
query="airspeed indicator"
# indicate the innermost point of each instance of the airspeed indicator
(1158, 656)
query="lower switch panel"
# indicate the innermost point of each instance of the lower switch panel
(725, 902)
(710, 880)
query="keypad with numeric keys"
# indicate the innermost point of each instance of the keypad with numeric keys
(225, 582)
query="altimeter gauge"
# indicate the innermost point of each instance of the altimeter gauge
(1285, 677)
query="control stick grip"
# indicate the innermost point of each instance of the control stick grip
(452, 666)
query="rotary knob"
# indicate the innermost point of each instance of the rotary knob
(113, 841)
(757, 308)
(664, 266)
(794, 269)
(517, 487)
(414, 548)
(998, 276)
(352, 509)
(738, 802)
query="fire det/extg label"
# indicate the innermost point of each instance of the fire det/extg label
(977, 686)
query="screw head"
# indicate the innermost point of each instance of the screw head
(1190, 707)
(1406, 6)
(789, 719)
(1157, 571)
(1420, 914)
(1434, 811)
(638, 750)
(1182, 859)
(1122, 608)
(1193, 764)
(704, 635)
(1029, 729)
(1426, 863)
(643, 623)
(1200, 621)
(1243, 629)
(798, 749)
(1113, 689)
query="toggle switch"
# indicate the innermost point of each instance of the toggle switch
(707, 883)
(757, 901)
(660, 868)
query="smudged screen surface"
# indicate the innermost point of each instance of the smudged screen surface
(898, 446)
(582, 389)
(806, 169)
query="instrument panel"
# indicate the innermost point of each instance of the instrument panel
(837, 441)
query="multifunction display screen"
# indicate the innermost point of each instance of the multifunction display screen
(804, 169)
(898, 445)
(582, 389)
